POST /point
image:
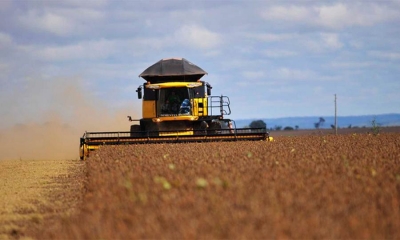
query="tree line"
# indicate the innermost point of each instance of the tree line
(262, 124)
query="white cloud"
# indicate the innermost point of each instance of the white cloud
(359, 14)
(48, 21)
(60, 22)
(253, 74)
(354, 64)
(315, 42)
(212, 53)
(331, 40)
(143, 45)
(322, 42)
(318, 90)
(96, 50)
(5, 40)
(101, 49)
(277, 53)
(5, 5)
(194, 35)
(385, 55)
(68, 3)
(90, 50)
(4, 67)
(286, 13)
(4, 71)
(333, 16)
(87, 3)
(358, 44)
(273, 37)
(294, 74)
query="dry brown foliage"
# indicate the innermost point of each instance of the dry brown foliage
(306, 187)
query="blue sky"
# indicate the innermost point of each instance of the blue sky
(72, 60)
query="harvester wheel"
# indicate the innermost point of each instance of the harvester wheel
(215, 127)
(136, 131)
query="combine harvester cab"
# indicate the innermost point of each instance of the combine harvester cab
(176, 107)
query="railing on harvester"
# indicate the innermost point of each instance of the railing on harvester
(219, 105)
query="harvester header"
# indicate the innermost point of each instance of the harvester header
(176, 107)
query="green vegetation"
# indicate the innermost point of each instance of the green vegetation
(258, 124)
(375, 127)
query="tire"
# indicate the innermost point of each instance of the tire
(215, 127)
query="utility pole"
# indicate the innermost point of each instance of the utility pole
(335, 116)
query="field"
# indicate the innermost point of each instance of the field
(37, 192)
(312, 186)
(324, 131)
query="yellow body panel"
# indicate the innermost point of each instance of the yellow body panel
(176, 133)
(149, 109)
(85, 149)
(175, 118)
(200, 106)
(173, 85)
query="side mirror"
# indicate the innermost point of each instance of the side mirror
(139, 92)
(208, 89)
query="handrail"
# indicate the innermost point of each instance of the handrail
(222, 103)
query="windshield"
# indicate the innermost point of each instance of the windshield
(174, 102)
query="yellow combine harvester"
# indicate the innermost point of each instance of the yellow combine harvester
(177, 107)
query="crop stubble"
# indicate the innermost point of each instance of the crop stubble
(345, 186)
(36, 193)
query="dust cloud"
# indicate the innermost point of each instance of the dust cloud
(71, 112)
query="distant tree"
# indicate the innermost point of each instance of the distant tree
(258, 124)
(349, 126)
(320, 122)
(288, 128)
(332, 126)
(296, 127)
(278, 128)
(375, 127)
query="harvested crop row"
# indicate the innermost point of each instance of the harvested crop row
(36, 193)
(345, 186)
